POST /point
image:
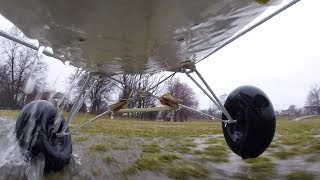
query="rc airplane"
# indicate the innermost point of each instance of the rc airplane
(110, 37)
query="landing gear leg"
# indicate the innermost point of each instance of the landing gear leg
(248, 118)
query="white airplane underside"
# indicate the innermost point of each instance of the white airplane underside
(108, 37)
(132, 36)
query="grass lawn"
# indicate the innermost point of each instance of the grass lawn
(133, 149)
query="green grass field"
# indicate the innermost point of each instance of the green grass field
(133, 149)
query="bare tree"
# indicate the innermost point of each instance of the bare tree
(223, 98)
(16, 65)
(185, 95)
(293, 110)
(213, 109)
(99, 95)
(144, 82)
(126, 83)
(313, 98)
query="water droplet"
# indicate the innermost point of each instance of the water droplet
(40, 51)
(77, 159)
(67, 63)
(35, 170)
(49, 49)
(29, 85)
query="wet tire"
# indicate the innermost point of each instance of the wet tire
(34, 132)
(256, 122)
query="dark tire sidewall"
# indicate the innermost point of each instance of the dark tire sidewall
(57, 155)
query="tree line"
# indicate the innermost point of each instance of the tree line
(121, 87)
(17, 64)
(312, 105)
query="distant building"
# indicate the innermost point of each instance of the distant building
(286, 113)
(310, 110)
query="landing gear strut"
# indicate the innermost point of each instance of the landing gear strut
(248, 118)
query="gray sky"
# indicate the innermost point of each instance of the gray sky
(280, 57)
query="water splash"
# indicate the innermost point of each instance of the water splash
(10, 149)
(66, 97)
(13, 164)
(31, 80)
(30, 84)
(67, 63)
(77, 159)
(35, 170)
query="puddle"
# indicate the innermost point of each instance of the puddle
(201, 141)
(200, 144)
(227, 170)
(297, 163)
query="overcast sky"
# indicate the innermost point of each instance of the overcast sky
(281, 57)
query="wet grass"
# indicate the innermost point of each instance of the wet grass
(179, 137)
(122, 147)
(283, 154)
(296, 138)
(108, 159)
(215, 153)
(128, 127)
(98, 148)
(151, 148)
(182, 145)
(9, 113)
(313, 158)
(80, 139)
(179, 147)
(169, 164)
(214, 141)
(152, 162)
(197, 152)
(192, 150)
(96, 172)
(261, 168)
(185, 171)
(168, 158)
(299, 175)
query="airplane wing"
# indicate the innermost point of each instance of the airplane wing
(132, 36)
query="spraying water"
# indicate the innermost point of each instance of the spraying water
(13, 164)
(31, 80)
